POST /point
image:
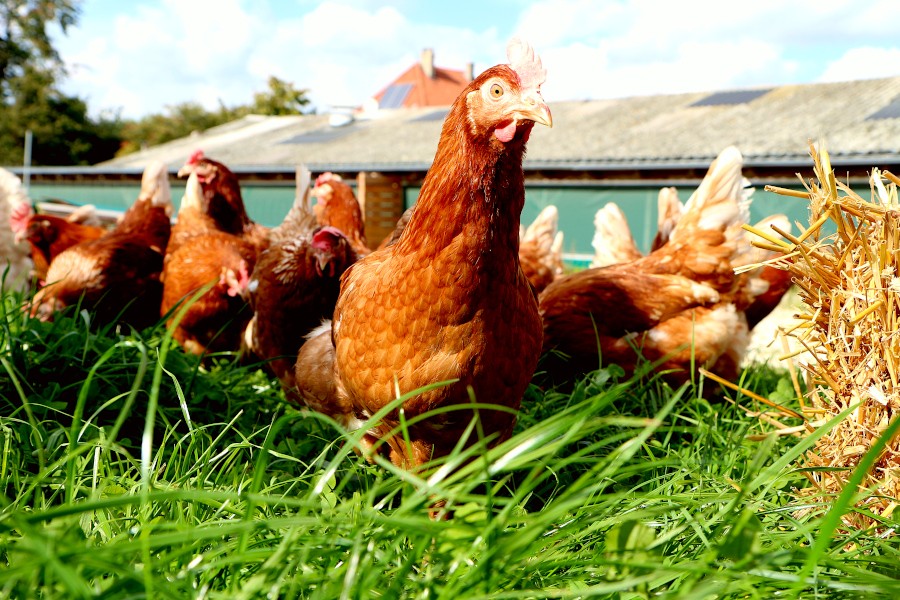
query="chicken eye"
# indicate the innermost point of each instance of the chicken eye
(496, 90)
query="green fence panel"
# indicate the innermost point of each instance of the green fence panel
(268, 204)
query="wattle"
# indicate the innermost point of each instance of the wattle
(506, 133)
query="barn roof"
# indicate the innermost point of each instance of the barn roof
(859, 121)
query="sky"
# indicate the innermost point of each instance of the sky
(137, 57)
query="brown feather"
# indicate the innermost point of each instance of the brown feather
(447, 301)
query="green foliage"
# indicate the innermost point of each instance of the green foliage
(63, 131)
(282, 98)
(129, 469)
(180, 120)
(24, 42)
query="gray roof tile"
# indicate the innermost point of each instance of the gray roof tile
(664, 129)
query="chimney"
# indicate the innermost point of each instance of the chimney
(428, 62)
(470, 72)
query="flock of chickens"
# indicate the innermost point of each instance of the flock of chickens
(459, 300)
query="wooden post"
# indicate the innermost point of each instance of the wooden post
(381, 199)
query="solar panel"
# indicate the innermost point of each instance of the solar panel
(891, 111)
(318, 136)
(733, 97)
(395, 95)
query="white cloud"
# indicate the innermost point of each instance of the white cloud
(863, 63)
(343, 51)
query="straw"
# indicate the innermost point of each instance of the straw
(849, 286)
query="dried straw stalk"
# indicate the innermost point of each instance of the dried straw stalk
(850, 289)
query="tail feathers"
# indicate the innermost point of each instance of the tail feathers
(300, 217)
(155, 185)
(557, 251)
(612, 241)
(719, 202)
(543, 229)
(543, 233)
(669, 211)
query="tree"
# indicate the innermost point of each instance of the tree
(281, 99)
(177, 121)
(64, 134)
(24, 42)
(180, 120)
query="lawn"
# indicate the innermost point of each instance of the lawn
(131, 470)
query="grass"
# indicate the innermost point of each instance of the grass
(131, 470)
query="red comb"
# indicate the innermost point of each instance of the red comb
(18, 218)
(526, 63)
(325, 237)
(195, 157)
(326, 177)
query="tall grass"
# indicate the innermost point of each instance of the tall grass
(129, 470)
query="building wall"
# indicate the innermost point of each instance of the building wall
(578, 205)
(267, 203)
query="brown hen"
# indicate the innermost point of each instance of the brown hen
(294, 288)
(206, 255)
(448, 301)
(337, 206)
(48, 235)
(684, 293)
(117, 275)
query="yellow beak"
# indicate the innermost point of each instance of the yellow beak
(533, 108)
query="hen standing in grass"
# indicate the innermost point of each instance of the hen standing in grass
(117, 274)
(449, 300)
(295, 286)
(214, 242)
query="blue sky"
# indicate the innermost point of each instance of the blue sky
(138, 57)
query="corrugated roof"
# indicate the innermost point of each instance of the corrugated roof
(650, 131)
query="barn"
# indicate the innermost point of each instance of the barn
(621, 150)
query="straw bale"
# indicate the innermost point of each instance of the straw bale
(849, 290)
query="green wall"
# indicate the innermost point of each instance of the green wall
(577, 206)
(267, 204)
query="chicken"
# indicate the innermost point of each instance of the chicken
(449, 301)
(540, 246)
(540, 249)
(612, 238)
(49, 235)
(337, 206)
(221, 206)
(13, 252)
(295, 287)
(685, 292)
(205, 255)
(117, 275)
